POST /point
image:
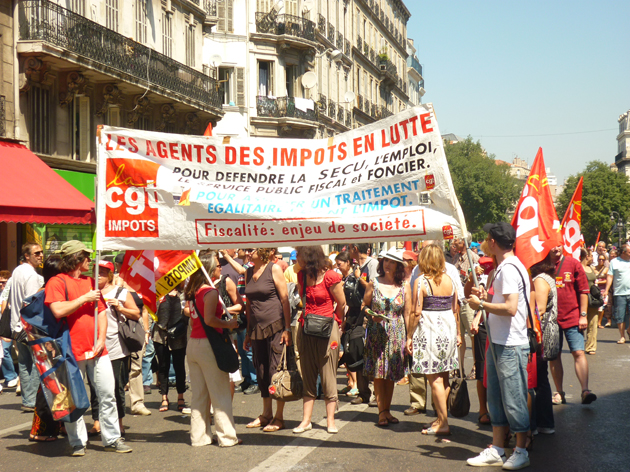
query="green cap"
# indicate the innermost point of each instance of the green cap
(72, 247)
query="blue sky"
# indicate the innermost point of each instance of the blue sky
(507, 68)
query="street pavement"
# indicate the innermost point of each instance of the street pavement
(587, 438)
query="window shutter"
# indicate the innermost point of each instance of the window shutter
(240, 86)
(230, 16)
(221, 15)
(84, 128)
(272, 89)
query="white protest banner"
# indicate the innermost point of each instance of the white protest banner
(385, 181)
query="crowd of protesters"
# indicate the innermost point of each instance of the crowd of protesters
(395, 317)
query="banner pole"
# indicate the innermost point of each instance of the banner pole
(211, 283)
(97, 260)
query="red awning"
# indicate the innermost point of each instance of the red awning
(31, 192)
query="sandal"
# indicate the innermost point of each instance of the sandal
(272, 428)
(383, 422)
(38, 438)
(588, 397)
(164, 406)
(432, 432)
(181, 404)
(481, 419)
(529, 442)
(622, 341)
(92, 433)
(259, 422)
(558, 398)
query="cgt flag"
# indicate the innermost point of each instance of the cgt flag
(535, 220)
(572, 239)
(153, 274)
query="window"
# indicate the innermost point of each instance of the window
(226, 80)
(141, 21)
(264, 6)
(290, 7)
(167, 34)
(291, 81)
(111, 14)
(190, 46)
(39, 119)
(81, 128)
(78, 6)
(225, 11)
(144, 123)
(265, 78)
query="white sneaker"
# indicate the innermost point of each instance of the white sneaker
(518, 460)
(12, 384)
(488, 457)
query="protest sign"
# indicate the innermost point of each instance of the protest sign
(385, 181)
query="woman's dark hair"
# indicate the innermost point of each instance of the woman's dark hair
(314, 260)
(546, 266)
(584, 253)
(209, 261)
(343, 256)
(399, 275)
(52, 267)
(70, 262)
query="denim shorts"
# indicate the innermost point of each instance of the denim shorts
(621, 309)
(507, 387)
(575, 339)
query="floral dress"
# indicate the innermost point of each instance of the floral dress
(435, 338)
(385, 341)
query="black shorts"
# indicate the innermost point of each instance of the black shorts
(479, 341)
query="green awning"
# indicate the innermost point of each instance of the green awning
(82, 181)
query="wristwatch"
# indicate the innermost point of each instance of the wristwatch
(583, 314)
(481, 305)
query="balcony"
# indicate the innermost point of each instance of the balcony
(331, 33)
(389, 71)
(341, 114)
(3, 117)
(296, 26)
(322, 104)
(360, 102)
(339, 42)
(210, 7)
(359, 43)
(620, 156)
(321, 24)
(347, 48)
(282, 107)
(415, 64)
(74, 38)
(349, 119)
(332, 108)
(384, 112)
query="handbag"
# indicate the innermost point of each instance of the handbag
(353, 347)
(5, 322)
(221, 344)
(286, 385)
(595, 299)
(458, 401)
(178, 329)
(130, 332)
(316, 325)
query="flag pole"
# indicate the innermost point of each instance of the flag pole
(97, 260)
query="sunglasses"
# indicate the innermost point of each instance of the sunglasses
(38, 253)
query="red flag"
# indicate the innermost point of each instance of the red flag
(535, 220)
(208, 131)
(572, 239)
(138, 270)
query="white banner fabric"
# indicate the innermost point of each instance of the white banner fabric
(385, 181)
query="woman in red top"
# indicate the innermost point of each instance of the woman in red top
(207, 381)
(319, 355)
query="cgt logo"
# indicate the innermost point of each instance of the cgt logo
(131, 205)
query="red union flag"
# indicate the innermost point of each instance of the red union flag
(572, 239)
(535, 220)
(138, 270)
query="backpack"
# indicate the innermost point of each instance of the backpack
(352, 291)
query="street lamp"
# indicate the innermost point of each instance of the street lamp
(614, 216)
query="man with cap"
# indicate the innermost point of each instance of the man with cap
(72, 296)
(25, 281)
(506, 365)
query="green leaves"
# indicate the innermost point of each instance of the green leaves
(485, 189)
(603, 191)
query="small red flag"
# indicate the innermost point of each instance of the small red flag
(208, 131)
(535, 220)
(572, 239)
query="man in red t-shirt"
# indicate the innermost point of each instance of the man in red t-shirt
(71, 295)
(572, 287)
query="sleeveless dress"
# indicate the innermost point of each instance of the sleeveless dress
(383, 354)
(435, 338)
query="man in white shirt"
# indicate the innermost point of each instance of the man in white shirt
(24, 283)
(506, 366)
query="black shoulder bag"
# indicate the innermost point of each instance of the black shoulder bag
(130, 332)
(316, 325)
(224, 352)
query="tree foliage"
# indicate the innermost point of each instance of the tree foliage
(603, 191)
(486, 191)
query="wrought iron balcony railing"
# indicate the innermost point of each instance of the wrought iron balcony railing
(272, 23)
(322, 103)
(340, 114)
(3, 117)
(389, 67)
(366, 49)
(377, 10)
(373, 110)
(349, 119)
(332, 108)
(331, 33)
(359, 43)
(104, 49)
(415, 64)
(282, 107)
(321, 24)
(210, 6)
(385, 112)
(347, 48)
(339, 43)
(360, 102)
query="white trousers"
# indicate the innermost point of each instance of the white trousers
(101, 374)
